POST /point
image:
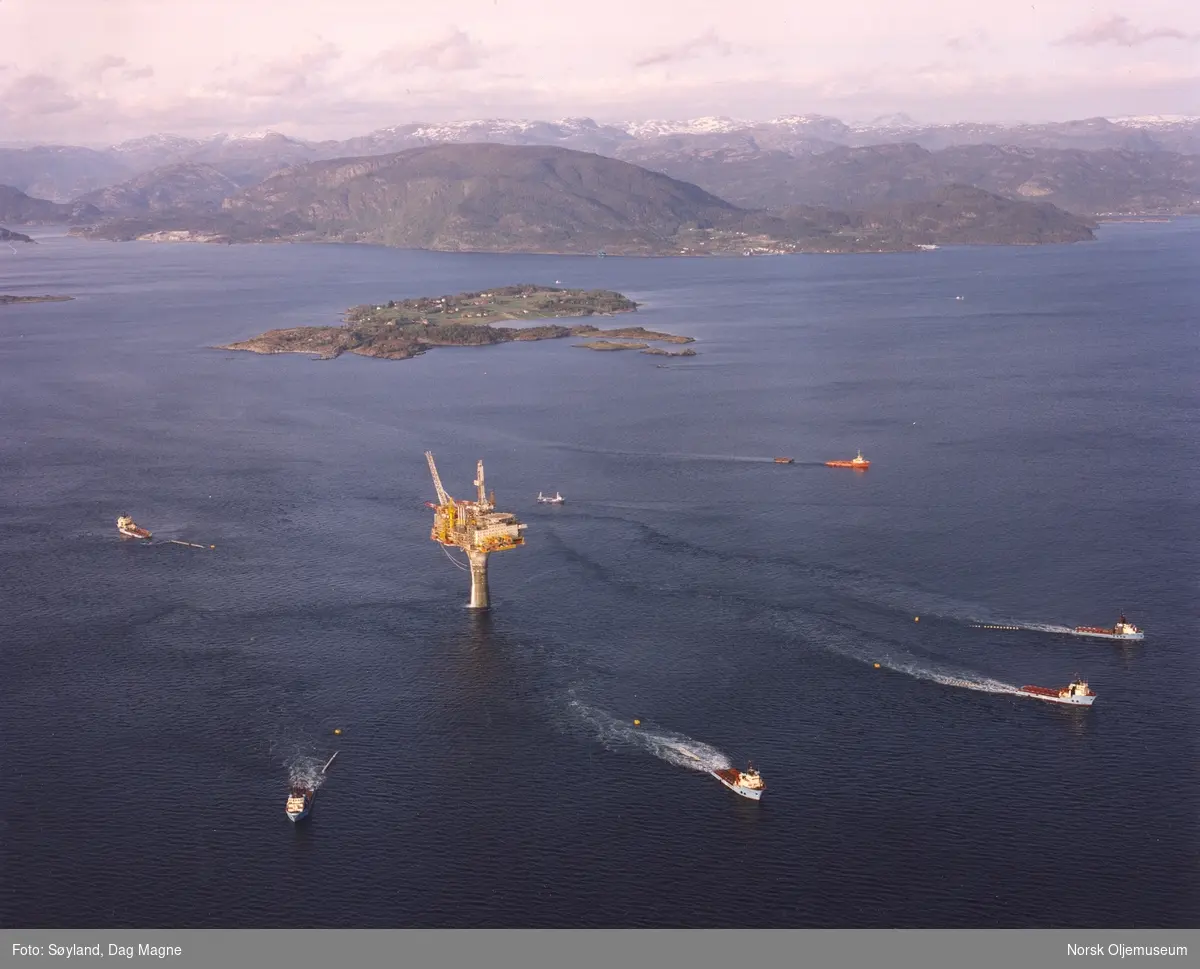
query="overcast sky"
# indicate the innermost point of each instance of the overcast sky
(98, 71)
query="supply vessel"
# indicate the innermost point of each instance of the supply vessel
(130, 529)
(747, 783)
(1123, 629)
(1076, 694)
(858, 462)
(299, 802)
(301, 794)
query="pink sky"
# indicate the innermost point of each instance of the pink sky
(98, 71)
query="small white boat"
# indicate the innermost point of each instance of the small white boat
(557, 499)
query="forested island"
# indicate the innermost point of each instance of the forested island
(400, 329)
(545, 199)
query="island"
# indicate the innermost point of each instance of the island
(658, 351)
(488, 197)
(612, 345)
(4, 300)
(633, 345)
(401, 329)
(7, 235)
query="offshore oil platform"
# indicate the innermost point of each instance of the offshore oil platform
(475, 527)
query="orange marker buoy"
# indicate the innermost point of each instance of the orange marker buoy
(916, 618)
(876, 666)
(637, 723)
(337, 730)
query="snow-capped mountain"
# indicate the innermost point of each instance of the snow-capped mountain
(156, 143)
(696, 126)
(1157, 122)
(888, 122)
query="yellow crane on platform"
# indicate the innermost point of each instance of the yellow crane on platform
(475, 527)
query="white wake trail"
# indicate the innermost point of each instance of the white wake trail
(675, 748)
(1042, 627)
(1019, 626)
(825, 635)
(964, 679)
(305, 771)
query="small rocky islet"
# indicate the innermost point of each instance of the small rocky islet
(5, 300)
(400, 329)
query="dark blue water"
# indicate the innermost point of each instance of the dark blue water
(1034, 459)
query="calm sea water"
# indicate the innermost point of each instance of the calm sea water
(1034, 461)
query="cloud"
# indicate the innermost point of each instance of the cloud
(454, 52)
(283, 77)
(1119, 30)
(35, 95)
(705, 43)
(976, 41)
(102, 65)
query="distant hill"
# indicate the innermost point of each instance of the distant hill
(184, 185)
(488, 197)
(59, 172)
(7, 235)
(1086, 182)
(967, 216)
(1090, 182)
(17, 208)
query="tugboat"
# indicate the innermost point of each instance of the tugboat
(547, 500)
(858, 462)
(1122, 630)
(1074, 694)
(747, 783)
(300, 796)
(127, 527)
(785, 460)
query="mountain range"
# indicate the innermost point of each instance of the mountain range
(800, 182)
(63, 173)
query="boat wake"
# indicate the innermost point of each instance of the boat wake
(305, 771)
(946, 676)
(1033, 627)
(675, 748)
(826, 635)
(674, 455)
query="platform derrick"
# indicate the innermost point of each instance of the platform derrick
(475, 527)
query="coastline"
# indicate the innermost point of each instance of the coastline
(731, 252)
